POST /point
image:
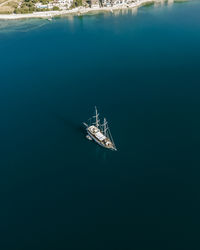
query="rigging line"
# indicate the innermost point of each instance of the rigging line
(112, 138)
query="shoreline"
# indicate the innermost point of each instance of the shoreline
(77, 11)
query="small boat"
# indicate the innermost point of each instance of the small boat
(100, 133)
(88, 137)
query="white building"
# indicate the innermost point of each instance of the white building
(61, 4)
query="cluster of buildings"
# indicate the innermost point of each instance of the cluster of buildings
(61, 4)
(118, 3)
(66, 4)
(110, 3)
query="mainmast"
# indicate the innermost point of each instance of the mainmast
(105, 127)
(107, 133)
(96, 117)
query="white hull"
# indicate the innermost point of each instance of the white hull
(95, 139)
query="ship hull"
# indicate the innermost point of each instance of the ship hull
(97, 141)
(100, 133)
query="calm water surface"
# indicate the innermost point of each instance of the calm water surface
(60, 191)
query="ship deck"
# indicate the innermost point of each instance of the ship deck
(100, 138)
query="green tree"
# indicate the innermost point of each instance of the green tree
(77, 3)
(56, 8)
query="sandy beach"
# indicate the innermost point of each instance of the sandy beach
(76, 11)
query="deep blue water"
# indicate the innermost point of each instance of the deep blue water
(61, 191)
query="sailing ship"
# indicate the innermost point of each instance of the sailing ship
(100, 133)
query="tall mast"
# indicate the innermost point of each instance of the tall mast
(105, 127)
(96, 117)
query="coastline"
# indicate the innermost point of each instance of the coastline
(76, 11)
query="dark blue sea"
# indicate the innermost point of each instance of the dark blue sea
(59, 191)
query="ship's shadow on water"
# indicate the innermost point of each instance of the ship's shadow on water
(71, 125)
